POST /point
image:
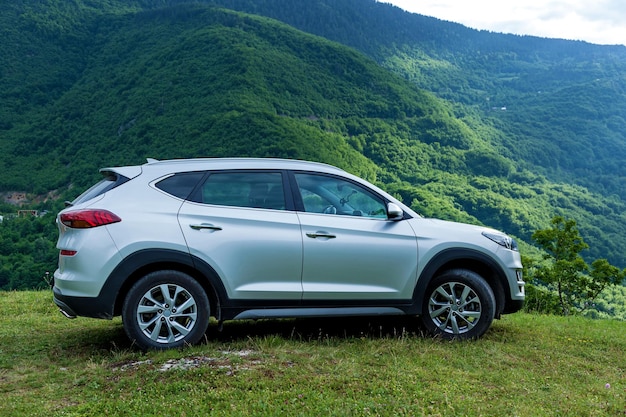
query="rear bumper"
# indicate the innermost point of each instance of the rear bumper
(72, 307)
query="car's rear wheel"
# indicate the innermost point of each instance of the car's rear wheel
(459, 304)
(166, 309)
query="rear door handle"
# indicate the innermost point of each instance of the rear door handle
(321, 234)
(204, 226)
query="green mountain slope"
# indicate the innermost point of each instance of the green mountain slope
(565, 101)
(199, 81)
(195, 80)
(116, 82)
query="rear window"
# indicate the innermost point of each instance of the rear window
(110, 181)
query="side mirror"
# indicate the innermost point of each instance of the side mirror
(394, 212)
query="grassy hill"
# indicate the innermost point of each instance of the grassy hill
(525, 365)
(86, 85)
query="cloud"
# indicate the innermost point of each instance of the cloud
(600, 22)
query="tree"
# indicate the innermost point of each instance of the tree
(576, 284)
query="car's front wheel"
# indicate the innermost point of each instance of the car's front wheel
(459, 304)
(166, 309)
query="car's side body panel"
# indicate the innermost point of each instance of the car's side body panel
(364, 258)
(257, 252)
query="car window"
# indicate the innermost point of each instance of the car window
(180, 185)
(332, 195)
(244, 189)
(109, 181)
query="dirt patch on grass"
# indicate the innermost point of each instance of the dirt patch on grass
(231, 361)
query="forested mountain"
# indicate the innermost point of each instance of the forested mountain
(565, 101)
(402, 100)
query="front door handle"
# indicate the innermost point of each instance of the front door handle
(204, 226)
(321, 234)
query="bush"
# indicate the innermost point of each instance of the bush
(541, 300)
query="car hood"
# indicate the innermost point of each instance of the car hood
(435, 227)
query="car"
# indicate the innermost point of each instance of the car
(169, 244)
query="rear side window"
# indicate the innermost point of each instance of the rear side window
(180, 185)
(243, 189)
(110, 181)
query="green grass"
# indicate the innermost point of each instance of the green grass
(526, 365)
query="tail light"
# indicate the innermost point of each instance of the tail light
(88, 218)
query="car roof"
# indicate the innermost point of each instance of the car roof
(225, 163)
(201, 164)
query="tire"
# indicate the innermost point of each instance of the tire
(459, 304)
(164, 310)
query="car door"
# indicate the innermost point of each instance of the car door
(237, 222)
(351, 250)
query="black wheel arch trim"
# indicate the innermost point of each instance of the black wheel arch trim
(142, 262)
(465, 259)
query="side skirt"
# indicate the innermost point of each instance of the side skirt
(318, 312)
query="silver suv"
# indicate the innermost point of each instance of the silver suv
(169, 244)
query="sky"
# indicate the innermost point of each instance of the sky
(596, 21)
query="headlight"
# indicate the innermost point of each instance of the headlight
(502, 240)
